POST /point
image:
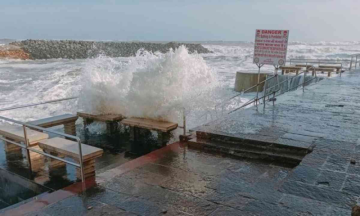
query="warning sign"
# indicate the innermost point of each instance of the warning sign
(271, 47)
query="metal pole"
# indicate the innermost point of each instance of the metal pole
(36, 104)
(274, 99)
(351, 62)
(304, 81)
(288, 84)
(356, 61)
(81, 161)
(27, 147)
(341, 70)
(264, 93)
(257, 87)
(184, 121)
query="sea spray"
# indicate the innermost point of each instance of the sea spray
(149, 85)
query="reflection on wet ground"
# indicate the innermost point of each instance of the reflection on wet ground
(177, 181)
(118, 149)
(15, 189)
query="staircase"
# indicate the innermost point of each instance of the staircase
(248, 148)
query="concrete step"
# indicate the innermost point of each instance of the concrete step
(253, 144)
(241, 151)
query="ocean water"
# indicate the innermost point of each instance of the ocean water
(150, 85)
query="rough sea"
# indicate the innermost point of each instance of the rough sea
(150, 85)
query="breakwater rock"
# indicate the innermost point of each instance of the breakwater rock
(13, 52)
(70, 49)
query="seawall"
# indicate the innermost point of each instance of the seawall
(70, 49)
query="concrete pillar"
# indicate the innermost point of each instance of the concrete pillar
(89, 169)
(55, 164)
(132, 134)
(245, 80)
(37, 160)
(70, 128)
(111, 127)
(163, 138)
(9, 147)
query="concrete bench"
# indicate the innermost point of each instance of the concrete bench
(111, 120)
(303, 65)
(162, 127)
(337, 68)
(328, 70)
(67, 120)
(16, 134)
(66, 148)
(287, 69)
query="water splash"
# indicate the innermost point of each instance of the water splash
(149, 85)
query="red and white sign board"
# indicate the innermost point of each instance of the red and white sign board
(271, 47)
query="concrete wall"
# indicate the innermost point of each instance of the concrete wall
(246, 80)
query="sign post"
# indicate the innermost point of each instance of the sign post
(270, 48)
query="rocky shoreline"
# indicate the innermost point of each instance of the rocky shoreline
(70, 49)
(13, 52)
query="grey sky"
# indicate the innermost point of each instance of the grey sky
(158, 20)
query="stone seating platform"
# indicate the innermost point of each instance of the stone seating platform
(162, 127)
(67, 120)
(111, 120)
(66, 148)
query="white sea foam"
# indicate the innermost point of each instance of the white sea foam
(151, 85)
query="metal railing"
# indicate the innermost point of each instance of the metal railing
(27, 146)
(36, 104)
(273, 92)
(257, 100)
(222, 105)
(354, 59)
(340, 62)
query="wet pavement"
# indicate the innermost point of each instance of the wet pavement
(176, 180)
(19, 184)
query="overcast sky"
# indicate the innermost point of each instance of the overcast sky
(174, 20)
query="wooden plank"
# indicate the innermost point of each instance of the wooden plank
(290, 68)
(54, 121)
(330, 66)
(150, 124)
(101, 117)
(303, 65)
(70, 148)
(17, 133)
(324, 69)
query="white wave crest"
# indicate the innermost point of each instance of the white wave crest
(149, 85)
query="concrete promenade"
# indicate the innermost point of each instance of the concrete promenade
(176, 180)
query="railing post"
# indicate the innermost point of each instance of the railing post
(184, 121)
(351, 62)
(264, 96)
(81, 162)
(356, 61)
(273, 99)
(27, 147)
(304, 81)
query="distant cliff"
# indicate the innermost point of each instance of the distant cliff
(69, 49)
